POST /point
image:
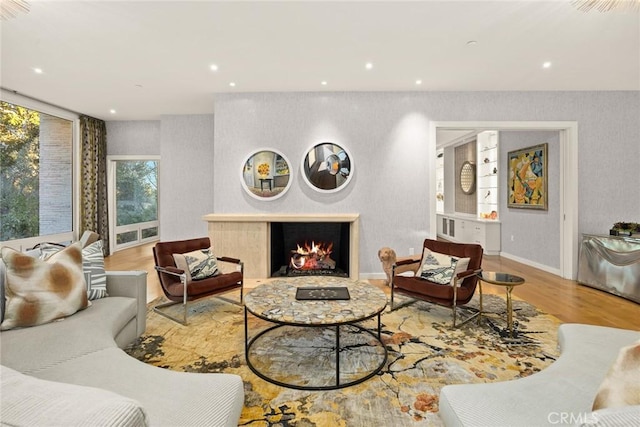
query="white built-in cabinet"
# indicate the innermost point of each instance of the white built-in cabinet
(440, 181)
(468, 229)
(483, 228)
(487, 174)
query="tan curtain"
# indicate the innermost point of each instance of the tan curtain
(94, 213)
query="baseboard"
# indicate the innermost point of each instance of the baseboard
(367, 276)
(530, 263)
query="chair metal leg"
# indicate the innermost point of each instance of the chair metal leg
(397, 306)
(168, 316)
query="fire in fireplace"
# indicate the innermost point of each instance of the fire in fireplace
(309, 249)
(314, 257)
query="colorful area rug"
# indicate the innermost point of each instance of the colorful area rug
(424, 354)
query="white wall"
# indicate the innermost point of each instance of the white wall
(133, 137)
(536, 233)
(387, 134)
(186, 175)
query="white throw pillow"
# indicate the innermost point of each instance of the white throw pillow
(38, 291)
(621, 386)
(198, 264)
(92, 266)
(441, 268)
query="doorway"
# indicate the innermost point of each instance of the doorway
(568, 178)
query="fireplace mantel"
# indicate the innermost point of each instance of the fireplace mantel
(248, 237)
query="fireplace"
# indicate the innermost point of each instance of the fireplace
(310, 248)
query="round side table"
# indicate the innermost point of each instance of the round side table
(507, 280)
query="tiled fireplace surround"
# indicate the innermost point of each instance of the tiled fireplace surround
(248, 237)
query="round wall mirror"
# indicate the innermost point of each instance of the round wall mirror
(266, 174)
(327, 167)
(468, 178)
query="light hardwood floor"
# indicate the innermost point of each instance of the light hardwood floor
(566, 299)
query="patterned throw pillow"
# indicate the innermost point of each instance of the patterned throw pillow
(94, 273)
(39, 291)
(92, 265)
(441, 268)
(198, 264)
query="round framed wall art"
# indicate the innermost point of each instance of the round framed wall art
(266, 174)
(327, 167)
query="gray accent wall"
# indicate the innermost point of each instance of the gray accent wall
(186, 175)
(387, 134)
(185, 146)
(138, 138)
(535, 233)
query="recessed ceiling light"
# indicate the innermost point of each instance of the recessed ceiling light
(214, 67)
(323, 83)
(472, 43)
(112, 111)
(368, 65)
(37, 70)
(232, 84)
(418, 82)
(546, 64)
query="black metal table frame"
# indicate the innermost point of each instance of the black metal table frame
(248, 342)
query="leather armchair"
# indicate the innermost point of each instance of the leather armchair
(451, 296)
(177, 289)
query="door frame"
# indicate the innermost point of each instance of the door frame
(568, 136)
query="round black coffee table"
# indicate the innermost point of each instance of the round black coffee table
(276, 302)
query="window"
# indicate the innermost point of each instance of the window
(36, 175)
(133, 194)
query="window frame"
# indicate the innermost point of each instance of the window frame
(52, 110)
(114, 229)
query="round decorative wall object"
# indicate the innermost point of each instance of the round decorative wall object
(327, 167)
(468, 178)
(266, 174)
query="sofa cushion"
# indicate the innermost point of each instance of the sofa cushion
(187, 398)
(38, 291)
(30, 350)
(29, 401)
(441, 268)
(198, 264)
(613, 417)
(621, 385)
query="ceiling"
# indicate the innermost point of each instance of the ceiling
(149, 58)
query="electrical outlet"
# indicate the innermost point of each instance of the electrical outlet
(512, 238)
(411, 251)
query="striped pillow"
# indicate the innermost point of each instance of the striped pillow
(94, 274)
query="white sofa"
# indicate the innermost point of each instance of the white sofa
(562, 394)
(84, 352)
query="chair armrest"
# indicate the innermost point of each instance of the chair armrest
(170, 270)
(229, 259)
(130, 284)
(407, 261)
(404, 265)
(468, 273)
